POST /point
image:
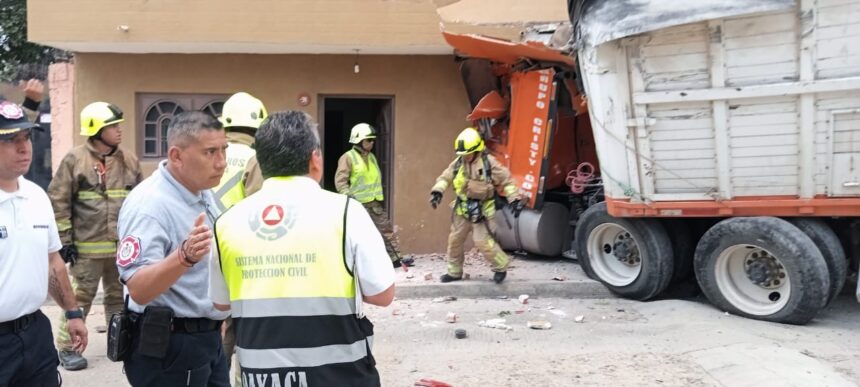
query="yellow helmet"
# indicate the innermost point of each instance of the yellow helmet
(98, 115)
(242, 109)
(360, 132)
(469, 141)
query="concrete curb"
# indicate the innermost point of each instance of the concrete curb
(485, 289)
(488, 289)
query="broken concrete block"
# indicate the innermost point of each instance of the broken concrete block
(451, 317)
(539, 324)
(495, 323)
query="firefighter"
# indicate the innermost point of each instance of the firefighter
(241, 116)
(476, 177)
(87, 192)
(358, 176)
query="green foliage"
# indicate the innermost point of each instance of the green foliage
(20, 59)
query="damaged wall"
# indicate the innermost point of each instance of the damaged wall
(430, 108)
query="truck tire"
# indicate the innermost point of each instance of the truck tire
(683, 247)
(831, 249)
(631, 257)
(763, 268)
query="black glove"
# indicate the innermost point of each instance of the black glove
(435, 198)
(69, 254)
(517, 207)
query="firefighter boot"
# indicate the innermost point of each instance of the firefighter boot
(72, 360)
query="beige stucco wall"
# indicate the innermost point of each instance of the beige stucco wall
(430, 107)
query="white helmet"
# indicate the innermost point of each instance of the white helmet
(360, 132)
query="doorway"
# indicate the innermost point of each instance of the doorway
(339, 114)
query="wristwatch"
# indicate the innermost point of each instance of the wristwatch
(74, 313)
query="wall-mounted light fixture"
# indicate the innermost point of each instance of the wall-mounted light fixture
(355, 67)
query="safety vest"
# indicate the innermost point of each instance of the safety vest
(292, 296)
(365, 180)
(489, 205)
(231, 190)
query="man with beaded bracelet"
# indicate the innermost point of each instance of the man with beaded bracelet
(165, 230)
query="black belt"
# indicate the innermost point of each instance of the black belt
(185, 324)
(18, 324)
(194, 325)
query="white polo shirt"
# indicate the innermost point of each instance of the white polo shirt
(28, 233)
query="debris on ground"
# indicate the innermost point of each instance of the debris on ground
(502, 297)
(431, 383)
(410, 276)
(460, 333)
(521, 311)
(428, 276)
(524, 298)
(101, 329)
(579, 318)
(466, 276)
(504, 313)
(396, 312)
(539, 324)
(445, 299)
(559, 278)
(496, 323)
(451, 317)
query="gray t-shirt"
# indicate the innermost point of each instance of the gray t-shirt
(154, 220)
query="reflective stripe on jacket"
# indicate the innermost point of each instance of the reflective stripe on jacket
(87, 192)
(231, 189)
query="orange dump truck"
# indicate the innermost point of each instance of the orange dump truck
(708, 141)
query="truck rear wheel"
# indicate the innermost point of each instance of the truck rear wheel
(763, 268)
(831, 249)
(631, 257)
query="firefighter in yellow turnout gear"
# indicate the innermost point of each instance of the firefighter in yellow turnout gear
(475, 176)
(358, 176)
(241, 117)
(86, 193)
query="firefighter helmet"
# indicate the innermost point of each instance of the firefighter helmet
(360, 132)
(243, 110)
(469, 141)
(98, 115)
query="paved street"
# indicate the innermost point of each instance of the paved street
(617, 342)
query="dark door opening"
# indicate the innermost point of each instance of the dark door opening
(339, 115)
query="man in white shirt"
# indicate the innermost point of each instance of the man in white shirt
(30, 265)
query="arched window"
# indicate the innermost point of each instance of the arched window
(157, 118)
(155, 112)
(213, 108)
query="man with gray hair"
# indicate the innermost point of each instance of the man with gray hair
(296, 263)
(165, 239)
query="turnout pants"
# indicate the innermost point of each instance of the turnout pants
(27, 354)
(483, 238)
(86, 274)
(380, 218)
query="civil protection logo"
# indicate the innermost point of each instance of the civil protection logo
(272, 222)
